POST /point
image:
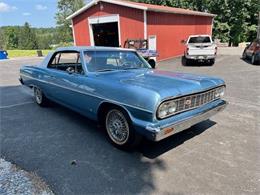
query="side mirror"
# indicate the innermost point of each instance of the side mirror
(152, 63)
(183, 41)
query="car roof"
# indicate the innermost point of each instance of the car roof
(91, 48)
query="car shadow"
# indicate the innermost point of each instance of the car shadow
(72, 154)
(154, 149)
(193, 63)
(68, 150)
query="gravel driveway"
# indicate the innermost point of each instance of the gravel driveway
(13, 180)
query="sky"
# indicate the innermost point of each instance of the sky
(39, 13)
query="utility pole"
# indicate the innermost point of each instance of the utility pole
(258, 28)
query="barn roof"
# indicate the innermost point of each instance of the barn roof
(142, 6)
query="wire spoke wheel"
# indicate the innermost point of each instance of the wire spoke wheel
(38, 95)
(117, 127)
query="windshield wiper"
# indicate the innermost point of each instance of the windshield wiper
(132, 68)
(105, 70)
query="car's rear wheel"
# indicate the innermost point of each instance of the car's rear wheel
(40, 98)
(119, 129)
(186, 61)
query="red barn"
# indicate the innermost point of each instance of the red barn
(112, 22)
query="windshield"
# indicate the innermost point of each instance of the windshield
(100, 61)
(200, 39)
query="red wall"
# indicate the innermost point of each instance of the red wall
(170, 29)
(131, 22)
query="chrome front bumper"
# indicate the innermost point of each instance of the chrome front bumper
(162, 132)
(200, 57)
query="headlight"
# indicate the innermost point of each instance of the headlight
(166, 108)
(220, 92)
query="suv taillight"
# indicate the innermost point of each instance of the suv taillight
(187, 51)
(216, 49)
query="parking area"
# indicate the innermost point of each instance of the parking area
(218, 156)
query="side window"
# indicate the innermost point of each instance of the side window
(69, 58)
(67, 61)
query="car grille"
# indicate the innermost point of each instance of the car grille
(196, 100)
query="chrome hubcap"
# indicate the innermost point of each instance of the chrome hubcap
(38, 95)
(117, 127)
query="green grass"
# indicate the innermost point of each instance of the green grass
(25, 53)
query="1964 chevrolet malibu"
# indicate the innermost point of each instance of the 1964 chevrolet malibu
(119, 89)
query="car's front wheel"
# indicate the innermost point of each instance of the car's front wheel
(119, 129)
(39, 97)
(211, 62)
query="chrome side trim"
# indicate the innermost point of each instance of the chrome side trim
(84, 93)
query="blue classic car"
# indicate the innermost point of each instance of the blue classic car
(119, 89)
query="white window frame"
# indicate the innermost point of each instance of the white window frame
(102, 20)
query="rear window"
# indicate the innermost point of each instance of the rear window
(202, 39)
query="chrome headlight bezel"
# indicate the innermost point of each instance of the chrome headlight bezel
(166, 108)
(220, 92)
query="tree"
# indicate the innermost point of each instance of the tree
(27, 38)
(10, 37)
(66, 8)
(2, 40)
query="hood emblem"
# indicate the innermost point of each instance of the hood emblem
(187, 102)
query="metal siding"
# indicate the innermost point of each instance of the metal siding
(131, 22)
(170, 29)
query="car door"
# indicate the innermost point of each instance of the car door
(71, 84)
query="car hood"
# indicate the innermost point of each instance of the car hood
(169, 84)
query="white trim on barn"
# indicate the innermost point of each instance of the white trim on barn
(102, 20)
(95, 2)
(140, 7)
(123, 3)
(73, 33)
(145, 24)
(212, 23)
